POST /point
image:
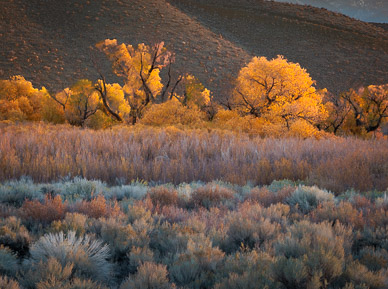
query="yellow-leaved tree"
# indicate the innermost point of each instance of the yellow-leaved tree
(79, 102)
(369, 107)
(140, 70)
(19, 100)
(281, 93)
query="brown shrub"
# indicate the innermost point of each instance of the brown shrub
(344, 212)
(266, 197)
(211, 196)
(98, 207)
(162, 196)
(50, 210)
(177, 156)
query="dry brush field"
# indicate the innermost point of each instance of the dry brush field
(47, 153)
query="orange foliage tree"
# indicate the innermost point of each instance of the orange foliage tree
(79, 102)
(140, 69)
(280, 92)
(369, 107)
(19, 100)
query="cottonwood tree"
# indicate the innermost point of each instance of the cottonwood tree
(338, 110)
(19, 100)
(79, 102)
(140, 69)
(369, 106)
(278, 91)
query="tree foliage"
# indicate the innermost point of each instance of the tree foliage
(19, 100)
(369, 106)
(140, 70)
(79, 102)
(279, 91)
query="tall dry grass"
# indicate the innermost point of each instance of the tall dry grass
(47, 153)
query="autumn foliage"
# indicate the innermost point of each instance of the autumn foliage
(270, 98)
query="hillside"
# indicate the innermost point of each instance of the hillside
(48, 41)
(365, 10)
(338, 51)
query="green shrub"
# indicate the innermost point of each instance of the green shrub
(8, 262)
(120, 237)
(197, 267)
(16, 192)
(317, 249)
(308, 198)
(80, 188)
(48, 273)
(246, 269)
(139, 256)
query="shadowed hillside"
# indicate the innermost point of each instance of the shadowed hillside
(48, 41)
(338, 51)
(365, 10)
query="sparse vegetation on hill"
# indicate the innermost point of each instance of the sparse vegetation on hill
(49, 44)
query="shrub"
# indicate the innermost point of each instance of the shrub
(316, 249)
(88, 256)
(80, 188)
(7, 283)
(51, 274)
(343, 212)
(358, 274)
(135, 190)
(211, 195)
(162, 196)
(291, 272)
(241, 233)
(14, 235)
(167, 241)
(73, 222)
(16, 192)
(308, 198)
(98, 207)
(50, 210)
(148, 276)
(197, 267)
(139, 256)
(266, 197)
(246, 269)
(8, 262)
(370, 237)
(374, 259)
(84, 284)
(48, 273)
(120, 237)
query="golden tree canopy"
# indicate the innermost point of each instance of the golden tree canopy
(279, 91)
(19, 100)
(139, 67)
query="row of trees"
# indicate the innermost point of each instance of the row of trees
(269, 97)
